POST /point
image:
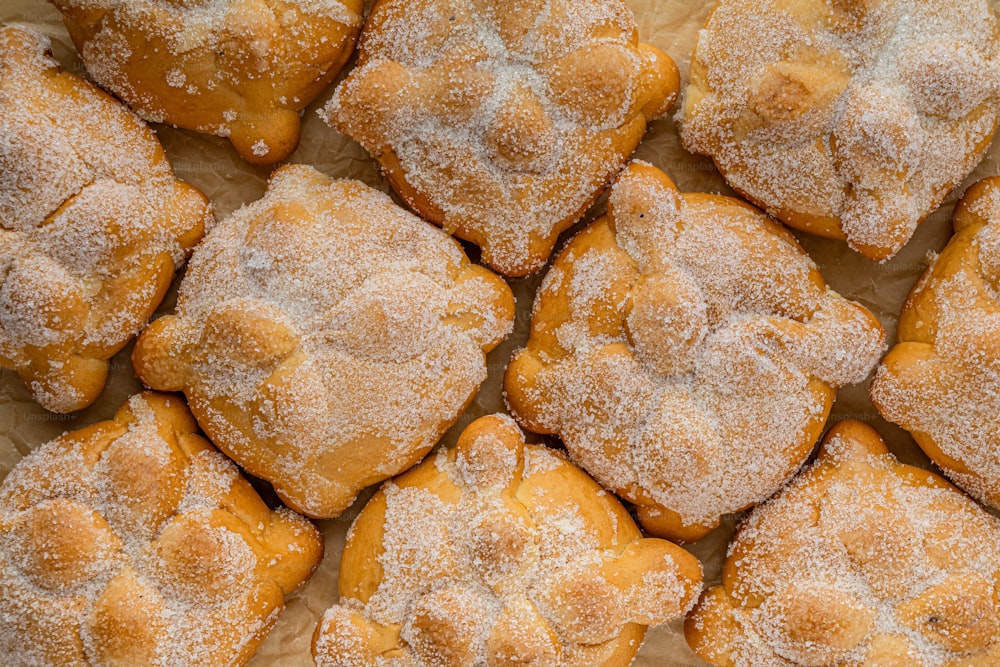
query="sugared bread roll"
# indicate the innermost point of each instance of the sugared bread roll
(851, 119)
(93, 225)
(860, 561)
(326, 338)
(502, 122)
(133, 542)
(941, 381)
(242, 69)
(687, 351)
(503, 554)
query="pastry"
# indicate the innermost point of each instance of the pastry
(861, 560)
(687, 351)
(326, 338)
(941, 382)
(502, 122)
(851, 119)
(92, 225)
(134, 542)
(499, 553)
(242, 69)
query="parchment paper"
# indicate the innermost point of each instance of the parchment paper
(210, 164)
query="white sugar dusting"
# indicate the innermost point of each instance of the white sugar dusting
(694, 365)
(92, 220)
(507, 121)
(942, 381)
(850, 117)
(114, 542)
(479, 561)
(327, 320)
(857, 563)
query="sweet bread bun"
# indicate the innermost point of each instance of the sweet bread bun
(502, 122)
(941, 382)
(687, 351)
(242, 69)
(851, 119)
(134, 542)
(503, 554)
(861, 560)
(326, 338)
(93, 225)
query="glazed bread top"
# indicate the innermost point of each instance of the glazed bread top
(861, 560)
(134, 542)
(241, 69)
(326, 338)
(499, 553)
(847, 118)
(941, 381)
(687, 350)
(93, 225)
(502, 122)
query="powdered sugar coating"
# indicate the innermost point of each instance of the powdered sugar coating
(242, 69)
(92, 225)
(502, 122)
(861, 560)
(686, 350)
(326, 338)
(941, 381)
(473, 559)
(845, 118)
(134, 542)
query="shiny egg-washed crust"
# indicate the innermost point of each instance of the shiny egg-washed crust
(851, 119)
(242, 69)
(326, 338)
(134, 542)
(499, 553)
(941, 381)
(93, 225)
(687, 352)
(502, 122)
(861, 561)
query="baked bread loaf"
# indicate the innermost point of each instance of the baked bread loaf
(326, 338)
(941, 382)
(502, 122)
(861, 560)
(687, 351)
(92, 225)
(499, 553)
(134, 542)
(851, 119)
(242, 69)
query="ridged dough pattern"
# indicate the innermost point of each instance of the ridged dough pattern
(326, 338)
(941, 381)
(861, 561)
(134, 542)
(499, 553)
(686, 350)
(93, 225)
(242, 69)
(502, 122)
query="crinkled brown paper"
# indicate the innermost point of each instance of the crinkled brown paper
(210, 164)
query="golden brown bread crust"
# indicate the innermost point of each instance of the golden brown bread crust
(940, 381)
(326, 338)
(861, 560)
(93, 225)
(687, 352)
(850, 119)
(134, 542)
(499, 553)
(242, 69)
(502, 122)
